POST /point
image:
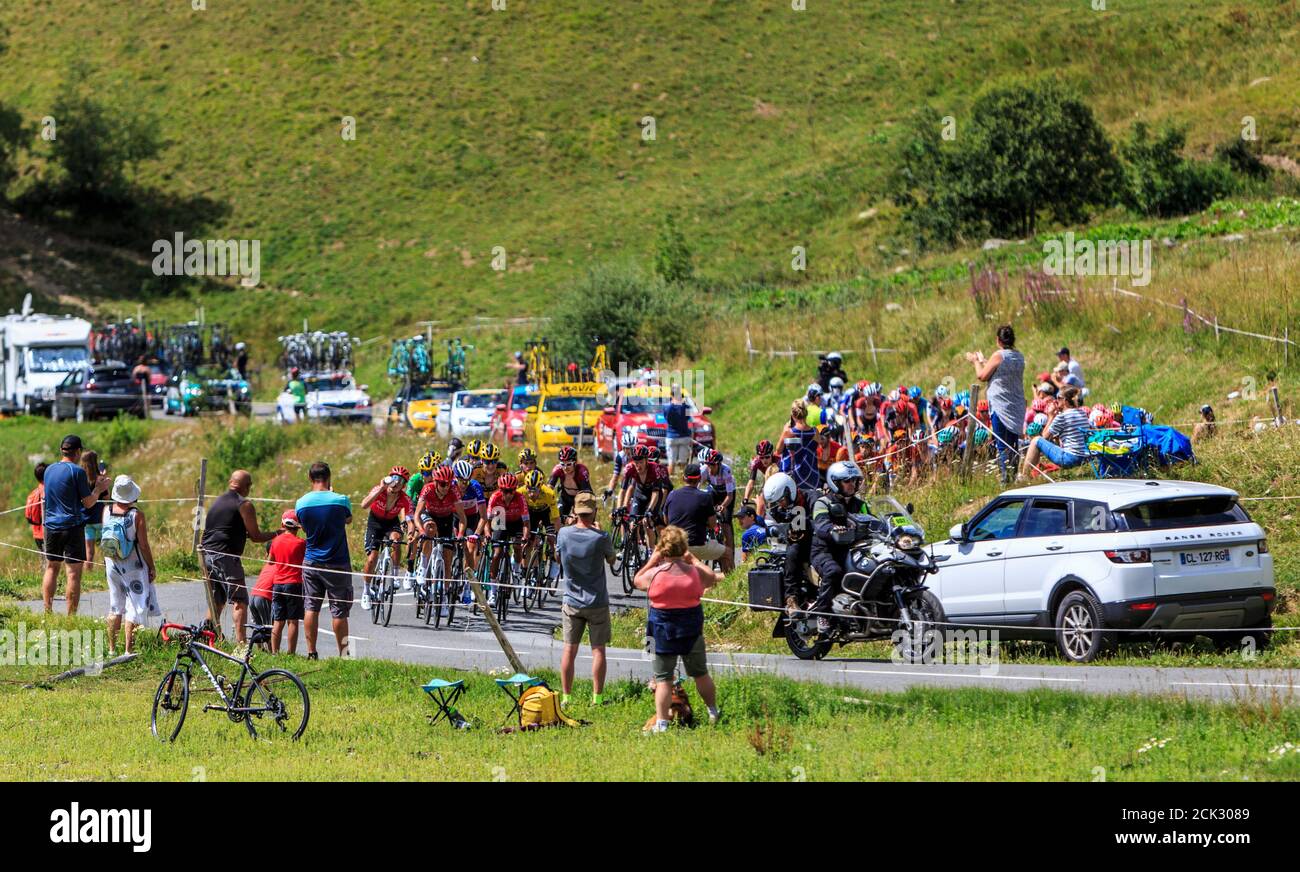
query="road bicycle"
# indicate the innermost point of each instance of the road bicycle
(384, 583)
(273, 705)
(636, 551)
(506, 578)
(617, 533)
(539, 577)
(437, 586)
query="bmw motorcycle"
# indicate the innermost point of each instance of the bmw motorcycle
(883, 593)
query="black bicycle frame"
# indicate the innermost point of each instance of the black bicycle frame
(190, 654)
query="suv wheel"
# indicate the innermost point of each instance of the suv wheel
(1080, 628)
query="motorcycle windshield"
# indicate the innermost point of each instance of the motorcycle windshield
(892, 512)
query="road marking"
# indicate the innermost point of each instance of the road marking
(444, 648)
(619, 659)
(350, 636)
(735, 665)
(1231, 684)
(959, 675)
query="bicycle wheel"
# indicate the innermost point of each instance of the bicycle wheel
(278, 706)
(629, 567)
(419, 594)
(616, 539)
(377, 589)
(531, 590)
(390, 592)
(170, 703)
(437, 584)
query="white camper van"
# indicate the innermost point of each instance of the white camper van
(36, 354)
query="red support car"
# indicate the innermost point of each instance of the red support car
(642, 409)
(508, 419)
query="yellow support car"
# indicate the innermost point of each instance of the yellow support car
(565, 412)
(419, 406)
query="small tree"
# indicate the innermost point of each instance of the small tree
(639, 319)
(672, 255)
(98, 145)
(12, 133)
(1158, 180)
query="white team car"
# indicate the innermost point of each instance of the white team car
(1072, 560)
(470, 412)
(331, 396)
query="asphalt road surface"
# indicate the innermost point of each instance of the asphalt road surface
(469, 644)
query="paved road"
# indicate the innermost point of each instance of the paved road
(471, 645)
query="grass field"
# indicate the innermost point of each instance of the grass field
(368, 722)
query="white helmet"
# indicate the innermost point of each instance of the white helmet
(837, 384)
(835, 356)
(779, 485)
(814, 390)
(629, 438)
(239, 346)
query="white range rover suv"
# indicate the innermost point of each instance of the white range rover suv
(1074, 560)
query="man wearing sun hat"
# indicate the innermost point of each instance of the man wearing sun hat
(288, 551)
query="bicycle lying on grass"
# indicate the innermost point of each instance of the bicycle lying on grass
(273, 706)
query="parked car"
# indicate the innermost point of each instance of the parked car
(209, 389)
(331, 396)
(470, 412)
(102, 390)
(1076, 561)
(423, 408)
(641, 408)
(508, 420)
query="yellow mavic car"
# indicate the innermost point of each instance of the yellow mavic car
(559, 418)
(418, 406)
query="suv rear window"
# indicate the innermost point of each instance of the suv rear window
(1186, 512)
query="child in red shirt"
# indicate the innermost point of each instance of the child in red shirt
(287, 553)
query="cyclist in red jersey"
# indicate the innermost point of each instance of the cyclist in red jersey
(389, 511)
(438, 511)
(569, 478)
(645, 486)
(506, 519)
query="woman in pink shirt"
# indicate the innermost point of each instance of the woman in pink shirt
(675, 581)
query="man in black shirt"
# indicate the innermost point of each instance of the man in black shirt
(227, 527)
(692, 509)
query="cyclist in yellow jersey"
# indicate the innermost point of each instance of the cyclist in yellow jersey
(543, 507)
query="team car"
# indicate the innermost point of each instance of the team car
(641, 409)
(208, 389)
(331, 396)
(508, 421)
(423, 408)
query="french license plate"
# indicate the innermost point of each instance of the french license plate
(1204, 558)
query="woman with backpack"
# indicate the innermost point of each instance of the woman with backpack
(124, 542)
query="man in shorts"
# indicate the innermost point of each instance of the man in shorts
(584, 549)
(67, 492)
(327, 565)
(230, 523)
(677, 420)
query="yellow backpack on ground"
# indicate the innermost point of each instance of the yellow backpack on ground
(539, 706)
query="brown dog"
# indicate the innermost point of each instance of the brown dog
(680, 712)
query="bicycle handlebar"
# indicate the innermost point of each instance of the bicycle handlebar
(191, 630)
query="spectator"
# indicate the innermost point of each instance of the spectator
(297, 388)
(33, 511)
(230, 523)
(678, 426)
(1070, 429)
(584, 549)
(1071, 365)
(1205, 428)
(288, 550)
(753, 532)
(520, 368)
(324, 516)
(94, 515)
(241, 360)
(1063, 378)
(798, 449)
(68, 493)
(675, 581)
(693, 511)
(259, 598)
(129, 561)
(1004, 370)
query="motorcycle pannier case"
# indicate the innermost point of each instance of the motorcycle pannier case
(764, 589)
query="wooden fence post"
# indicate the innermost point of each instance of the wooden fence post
(200, 520)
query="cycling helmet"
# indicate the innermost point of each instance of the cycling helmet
(629, 437)
(941, 391)
(427, 462)
(946, 435)
(814, 390)
(962, 399)
(1033, 429)
(568, 453)
(641, 452)
(474, 447)
(837, 384)
(401, 472)
(894, 396)
(295, 372)
(489, 452)
(778, 486)
(464, 469)
(507, 481)
(981, 435)
(533, 479)
(444, 474)
(862, 386)
(834, 357)
(1041, 419)
(959, 410)
(843, 470)
(764, 448)
(455, 443)
(873, 389)
(527, 455)
(710, 457)
(914, 392)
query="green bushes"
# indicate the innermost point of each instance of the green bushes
(1159, 181)
(640, 319)
(249, 447)
(122, 434)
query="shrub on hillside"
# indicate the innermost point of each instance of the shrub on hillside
(640, 319)
(672, 255)
(1026, 150)
(248, 447)
(122, 434)
(1159, 181)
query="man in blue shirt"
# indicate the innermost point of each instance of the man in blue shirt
(327, 565)
(67, 492)
(677, 421)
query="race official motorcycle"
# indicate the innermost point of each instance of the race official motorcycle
(883, 593)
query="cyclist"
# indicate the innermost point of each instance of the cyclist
(423, 468)
(760, 467)
(722, 484)
(527, 461)
(506, 519)
(490, 468)
(454, 450)
(440, 513)
(390, 511)
(644, 490)
(621, 459)
(828, 450)
(543, 505)
(473, 505)
(569, 478)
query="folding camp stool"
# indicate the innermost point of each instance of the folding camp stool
(444, 695)
(520, 683)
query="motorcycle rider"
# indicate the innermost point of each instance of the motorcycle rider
(830, 515)
(786, 504)
(830, 366)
